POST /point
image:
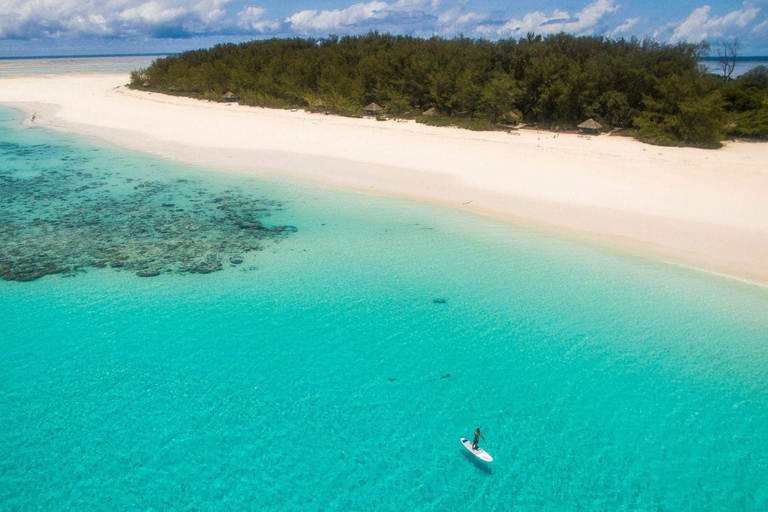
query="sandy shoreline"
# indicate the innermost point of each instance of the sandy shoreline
(703, 208)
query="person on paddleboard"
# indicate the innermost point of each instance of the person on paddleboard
(478, 435)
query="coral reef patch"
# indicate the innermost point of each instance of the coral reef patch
(65, 209)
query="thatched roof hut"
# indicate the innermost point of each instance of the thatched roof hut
(370, 110)
(430, 112)
(229, 97)
(590, 126)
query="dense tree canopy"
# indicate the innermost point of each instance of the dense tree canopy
(657, 91)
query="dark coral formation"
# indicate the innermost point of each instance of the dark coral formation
(56, 218)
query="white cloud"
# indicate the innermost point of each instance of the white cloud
(311, 21)
(77, 18)
(700, 25)
(455, 21)
(151, 12)
(583, 22)
(250, 19)
(624, 27)
(25, 19)
(374, 14)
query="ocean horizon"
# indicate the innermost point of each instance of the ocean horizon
(204, 339)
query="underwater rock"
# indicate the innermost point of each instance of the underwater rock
(439, 301)
(207, 268)
(24, 274)
(284, 229)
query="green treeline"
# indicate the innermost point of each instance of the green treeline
(656, 92)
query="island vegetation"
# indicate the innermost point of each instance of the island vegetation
(656, 92)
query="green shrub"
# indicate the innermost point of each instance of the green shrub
(753, 123)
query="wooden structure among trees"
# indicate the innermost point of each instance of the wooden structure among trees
(372, 109)
(430, 112)
(590, 126)
(229, 97)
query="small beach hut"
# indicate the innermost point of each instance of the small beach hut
(318, 106)
(430, 112)
(145, 84)
(590, 126)
(229, 97)
(372, 109)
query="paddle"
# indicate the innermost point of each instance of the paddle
(487, 445)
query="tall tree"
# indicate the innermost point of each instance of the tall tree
(727, 55)
(498, 96)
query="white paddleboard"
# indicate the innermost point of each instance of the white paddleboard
(479, 453)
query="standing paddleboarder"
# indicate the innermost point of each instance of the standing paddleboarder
(478, 435)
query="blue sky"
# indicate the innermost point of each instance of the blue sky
(65, 27)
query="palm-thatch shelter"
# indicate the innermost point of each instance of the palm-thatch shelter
(430, 112)
(229, 97)
(590, 126)
(372, 109)
(318, 105)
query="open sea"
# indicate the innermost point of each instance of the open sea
(743, 64)
(73, 64)
(294, 347)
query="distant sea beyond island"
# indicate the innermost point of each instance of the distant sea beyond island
(743, 64)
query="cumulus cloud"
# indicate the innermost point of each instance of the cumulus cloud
(403, 13)
(701, 25)
(456, 20)
(22, 19)
(310, 21)
(251, 19)
(28, 19)
(583, 22)
(624, 27)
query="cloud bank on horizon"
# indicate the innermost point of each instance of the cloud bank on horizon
(110, 19)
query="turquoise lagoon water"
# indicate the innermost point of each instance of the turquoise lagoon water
(320, 374)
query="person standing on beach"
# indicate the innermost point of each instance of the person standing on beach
(478, 435)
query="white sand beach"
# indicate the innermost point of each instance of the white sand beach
(703, 208)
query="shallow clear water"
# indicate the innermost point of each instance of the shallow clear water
(58, 65)
(67, 208)
(321, 374)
